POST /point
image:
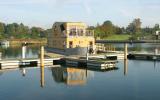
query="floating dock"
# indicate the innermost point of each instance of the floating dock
(144, 56)
(20, 63)
(109, 56)
(94, 64)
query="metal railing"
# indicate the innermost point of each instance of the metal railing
(69, 33)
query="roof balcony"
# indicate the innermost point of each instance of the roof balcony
(78, 33)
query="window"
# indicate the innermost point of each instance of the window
(90, 43)
(80, 32)
(70, 44)
(72, 32)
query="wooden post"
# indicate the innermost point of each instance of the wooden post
(42, 65)
(42, 56)
(125, 59)
(125, 51)
(155, 51)
(23, 57)
(87, 53)
(23, 51)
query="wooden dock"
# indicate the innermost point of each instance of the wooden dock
(94, 64)
(109, 55)
(127, 41)
(20, 63)
(144, 56)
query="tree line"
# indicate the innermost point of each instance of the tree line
(134, 29)
(17, 31)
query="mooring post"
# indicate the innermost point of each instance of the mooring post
(23, 57)
(125, 51)
(23, 51)
(42, 56)
(156, 51)
(42, 65)
(125, 59)
(87, 53)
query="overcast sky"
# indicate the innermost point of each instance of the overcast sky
(44, 13)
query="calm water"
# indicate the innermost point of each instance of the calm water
(16, 52)
(141, 82)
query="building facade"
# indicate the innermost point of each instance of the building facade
(71, 35)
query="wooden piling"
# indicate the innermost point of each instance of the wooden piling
(87, 54)
(125, 51)
(42, 56)
(125, 59)
(42, 65)
(23, 52)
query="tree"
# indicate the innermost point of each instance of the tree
(108, 28)
(2, 28)
(135, 26)
(118, 30)
(37, 32)
(155, 28)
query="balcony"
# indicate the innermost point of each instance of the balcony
(78, 33)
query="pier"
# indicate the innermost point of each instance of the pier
(22, 63)
(127, 41)
(144, 56)
(91, 63)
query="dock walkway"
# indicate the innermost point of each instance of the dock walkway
(91, 63)
(144, 56)
(16, 63)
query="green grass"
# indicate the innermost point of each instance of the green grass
(118, 37)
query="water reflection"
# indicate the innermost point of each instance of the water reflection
(42, 77)
(16, 52)
(71, 76)
(1, 73)
(23, 70)
(125, 67)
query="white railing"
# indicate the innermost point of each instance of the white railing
(68, 33)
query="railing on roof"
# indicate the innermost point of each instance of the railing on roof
(71, 33)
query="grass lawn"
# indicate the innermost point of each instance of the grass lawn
(118, 37)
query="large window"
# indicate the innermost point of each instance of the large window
(72, 32)
(76, 31)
